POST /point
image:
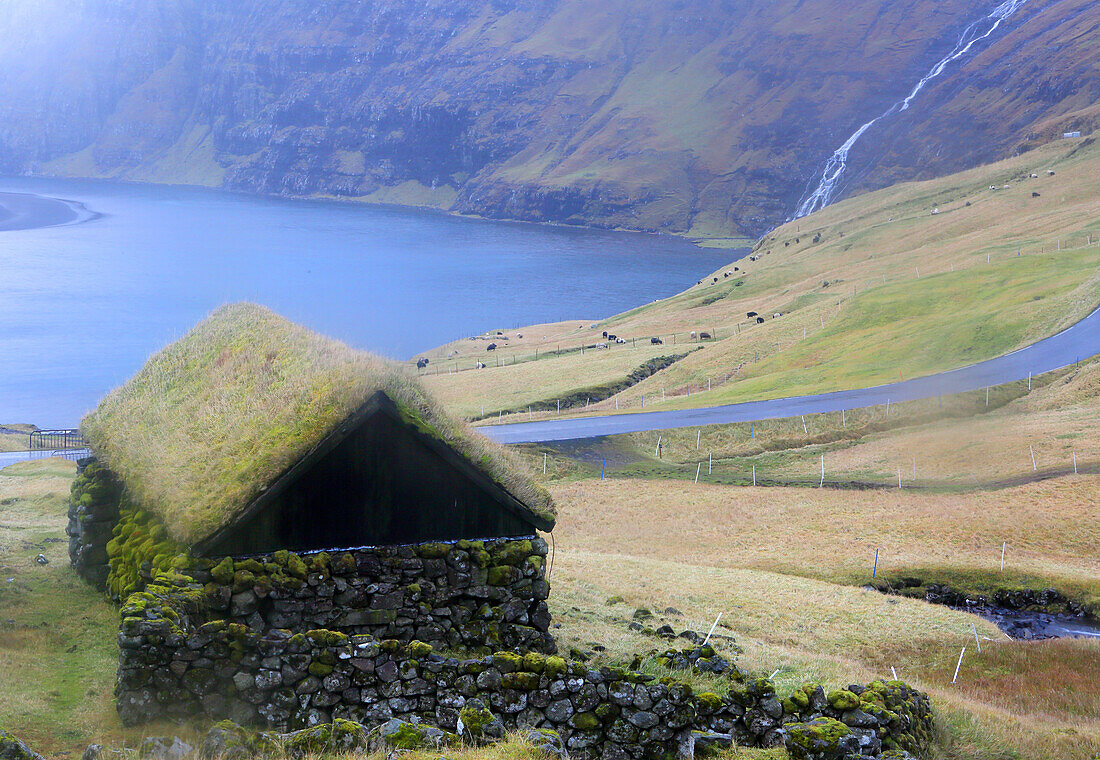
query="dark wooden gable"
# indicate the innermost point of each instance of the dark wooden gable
(375, 480)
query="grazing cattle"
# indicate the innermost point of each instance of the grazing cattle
(612, 337)
(759, 320)
(519, 335)
(992, 187)
(1035, 176)
(777, 315)
(725, 275)
(1050, 172)
(750, 314)
(421, 363)
(605, 333)
(491, 347)
(968, 204)
(716, 279)
(479, 365)
(1035, 195)
(601, 345)
(620, 340)
(656, 341)
(704, 336)
(737, 269)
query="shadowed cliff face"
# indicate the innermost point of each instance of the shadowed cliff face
(707, 117)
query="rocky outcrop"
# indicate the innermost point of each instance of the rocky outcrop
(704, 116)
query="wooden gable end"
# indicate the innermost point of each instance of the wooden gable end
(376, 480)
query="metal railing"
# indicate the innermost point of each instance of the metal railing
(57, 439)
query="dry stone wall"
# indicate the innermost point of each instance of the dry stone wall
(487, 594)
(93, 514)
(177, 662)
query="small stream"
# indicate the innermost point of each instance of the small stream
(1033, 626)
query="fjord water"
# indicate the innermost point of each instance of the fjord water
(82, 306)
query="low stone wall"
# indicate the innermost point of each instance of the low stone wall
(174, 662)
(93, 513)
(486, 595)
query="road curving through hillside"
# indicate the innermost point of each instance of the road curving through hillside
(1076, 343)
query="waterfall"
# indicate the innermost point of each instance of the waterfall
(835, 167)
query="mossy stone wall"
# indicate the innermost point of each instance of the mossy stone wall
(93, 513)
(177, 662)
(484, 595)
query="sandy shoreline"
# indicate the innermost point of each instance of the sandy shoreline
(26, 211)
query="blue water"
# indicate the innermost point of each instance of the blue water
(83, 306)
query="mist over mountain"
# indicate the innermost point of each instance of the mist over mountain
(706, 117)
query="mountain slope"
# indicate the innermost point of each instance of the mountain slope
(704, 117)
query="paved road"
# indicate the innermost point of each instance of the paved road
(1078, 342)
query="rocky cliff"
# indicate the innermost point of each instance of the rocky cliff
(705, 117)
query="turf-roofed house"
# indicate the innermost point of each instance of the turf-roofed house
(295, 484)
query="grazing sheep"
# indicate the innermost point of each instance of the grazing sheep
(693, 334)
(656, 341)
(1050, 172)
(491, 347)
(421, 363)
(620, 340)
(777, 315)
(704, 335)
(480, 365)
(759, 320)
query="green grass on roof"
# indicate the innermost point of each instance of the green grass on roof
(215, 417)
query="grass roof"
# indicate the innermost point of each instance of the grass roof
(215, 417)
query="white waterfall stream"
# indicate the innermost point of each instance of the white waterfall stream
(835, 167)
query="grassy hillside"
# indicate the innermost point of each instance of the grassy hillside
(894, 284)
(707, 118)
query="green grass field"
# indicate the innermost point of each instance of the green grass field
(871, 290)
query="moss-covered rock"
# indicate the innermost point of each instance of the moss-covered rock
(819, 738)
(503, 575)
(586, 721)
(338, 737)
(12, 748)
(512, 552)
(708, 703)
(842, 699)
(477, 723)
(228, 741)
(555, 667)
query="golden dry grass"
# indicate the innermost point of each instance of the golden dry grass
(1051, 527)
(478, 393)
(213, 418)
(766, 558)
